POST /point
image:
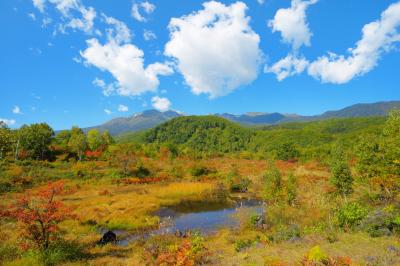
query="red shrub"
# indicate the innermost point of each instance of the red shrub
(39, 214)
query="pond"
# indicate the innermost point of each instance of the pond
(204, 219)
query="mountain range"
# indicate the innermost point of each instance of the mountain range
(151, 118)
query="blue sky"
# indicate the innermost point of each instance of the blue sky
(81, 62)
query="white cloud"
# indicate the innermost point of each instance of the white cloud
(161, 104)
(215, 48)
(46, 22)
(148, 35)
(68, 9)
(108, 112)
(146, 6)
(118, 32)
(125, 63)
(378, 37)
(108, 89)
(8, 122)
(39, 4)
(261, 1)
(292, 23)
(288, 66)
(123, 108)
(85, 23)
(32, 16)
(17, 110)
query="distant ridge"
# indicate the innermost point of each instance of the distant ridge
(357, 110)
(140, 121)
(152, 118)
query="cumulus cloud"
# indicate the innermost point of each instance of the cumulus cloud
(288, 66)
(8, 122)
(292, 23)
(378, 37)
(124, 61)
(215, 48)
(123, 108)
(145, 6)
(148, 35)
(17, 110)
(160, 103)
(75, 15)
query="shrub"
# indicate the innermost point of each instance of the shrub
(242, 244)
(272, 184)
(239, 184)
(39, 214)
(141, 171)
(341, 178)
(286, 152)
(8, 252)
(379, 223)
(316, 255)
(197, 171)
(350, 215)
(5, 186)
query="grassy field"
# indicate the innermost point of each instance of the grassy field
(102, 202)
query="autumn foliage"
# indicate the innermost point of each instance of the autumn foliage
(39, 214)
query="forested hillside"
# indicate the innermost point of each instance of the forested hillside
(209, 134)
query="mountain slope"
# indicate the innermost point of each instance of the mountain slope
(141, 121)
(357, 110)
(201, 133)
(363, 110)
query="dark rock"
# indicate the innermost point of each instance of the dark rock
(178, 233)
(109, 237)
(259, 222)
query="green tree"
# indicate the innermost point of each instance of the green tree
(272, 184)
(379, 157)
(287, 151)
(35, 139)
(391, 143)
(62, 139)
(77, 143)
(5, 139)
(125, 158)
(94, 139)
(341, 176)
(369, 156)
(107, 139)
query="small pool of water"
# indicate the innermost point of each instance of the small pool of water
(205, 220)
